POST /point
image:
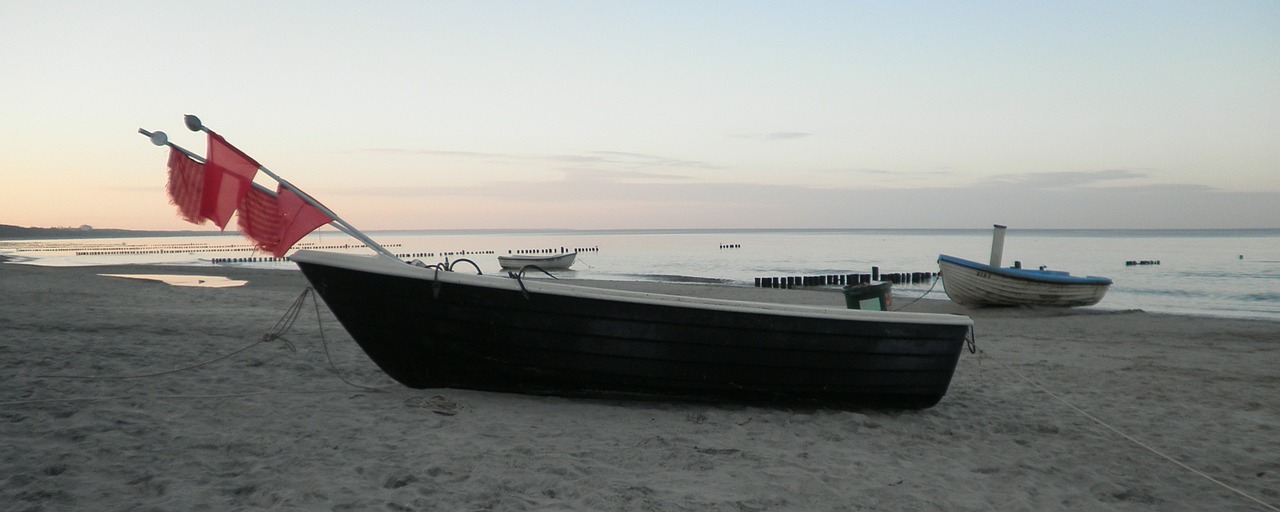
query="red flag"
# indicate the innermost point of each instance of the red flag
(186, 180)
(277, 222)
(259, 219)
(228, 177)
(297, 218)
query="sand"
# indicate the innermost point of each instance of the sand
(275, 428)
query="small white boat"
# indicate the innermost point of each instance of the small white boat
(974, 284)
(542, 261)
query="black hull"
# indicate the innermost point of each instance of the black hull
(477, 332)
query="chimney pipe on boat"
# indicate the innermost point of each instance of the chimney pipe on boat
(997, 245)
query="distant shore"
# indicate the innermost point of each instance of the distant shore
(109, 408)
(10, 232)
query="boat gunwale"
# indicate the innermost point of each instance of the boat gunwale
(1034, 276)
(536, 257)
(551, 262)
(393, 267)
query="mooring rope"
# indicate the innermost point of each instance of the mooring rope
(1135, 440)
(926, 292)
(277, 332)
(460, 260)
(325, 342)
(519, 277)
(156, 374)
(170, 397)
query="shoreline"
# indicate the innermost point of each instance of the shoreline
(270, 427)
(1233, 277)
(933, 302)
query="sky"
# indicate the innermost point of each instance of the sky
(656, 114)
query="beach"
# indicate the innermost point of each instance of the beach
(107, 405)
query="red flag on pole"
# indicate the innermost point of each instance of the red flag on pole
(186, 181)
(297, 218)
(259, 219)
(228, 177)
(277, 222)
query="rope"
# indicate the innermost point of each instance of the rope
(156, 374)
(325, 342)
(926, 292)
(277, 332)
(160, 397)
(1137, 442)
(286, 322)
(460, 260)
(519, 277)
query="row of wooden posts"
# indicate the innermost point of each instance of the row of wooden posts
(258, 259)
(846, 279)
(219, 248)
(450, 254)
(562, 250)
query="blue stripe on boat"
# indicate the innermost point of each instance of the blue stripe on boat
(1044, 276)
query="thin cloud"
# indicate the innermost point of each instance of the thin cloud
(654, 160)
(626, 177)
(433, 152)
(1064, 179)
(882, 172)
(776, 136)
(598, 157)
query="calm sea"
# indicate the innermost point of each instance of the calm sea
(1228, 273)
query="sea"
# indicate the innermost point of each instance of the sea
(1231, 273)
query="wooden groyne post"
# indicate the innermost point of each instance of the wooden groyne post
(846, 279)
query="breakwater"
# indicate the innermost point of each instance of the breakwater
(846, 279)
(188, 249)
(561, 250)
(412, 255)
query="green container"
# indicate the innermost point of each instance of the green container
(874, 296)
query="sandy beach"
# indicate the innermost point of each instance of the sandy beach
(1059, 410)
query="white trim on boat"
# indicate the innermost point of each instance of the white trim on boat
(392, 267)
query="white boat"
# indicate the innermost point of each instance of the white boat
(542, 261)
(974, 284)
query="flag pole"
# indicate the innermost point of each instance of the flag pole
(159, 138)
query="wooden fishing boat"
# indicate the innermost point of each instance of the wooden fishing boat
(974, 284)
(542, 261)
(427, 328)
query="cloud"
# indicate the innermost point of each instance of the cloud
(776, 136)
(432, 152)
(615, 189)
(657, 161)
(1064, 179)
(891, 174)
(601, 159)
(592, 199)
